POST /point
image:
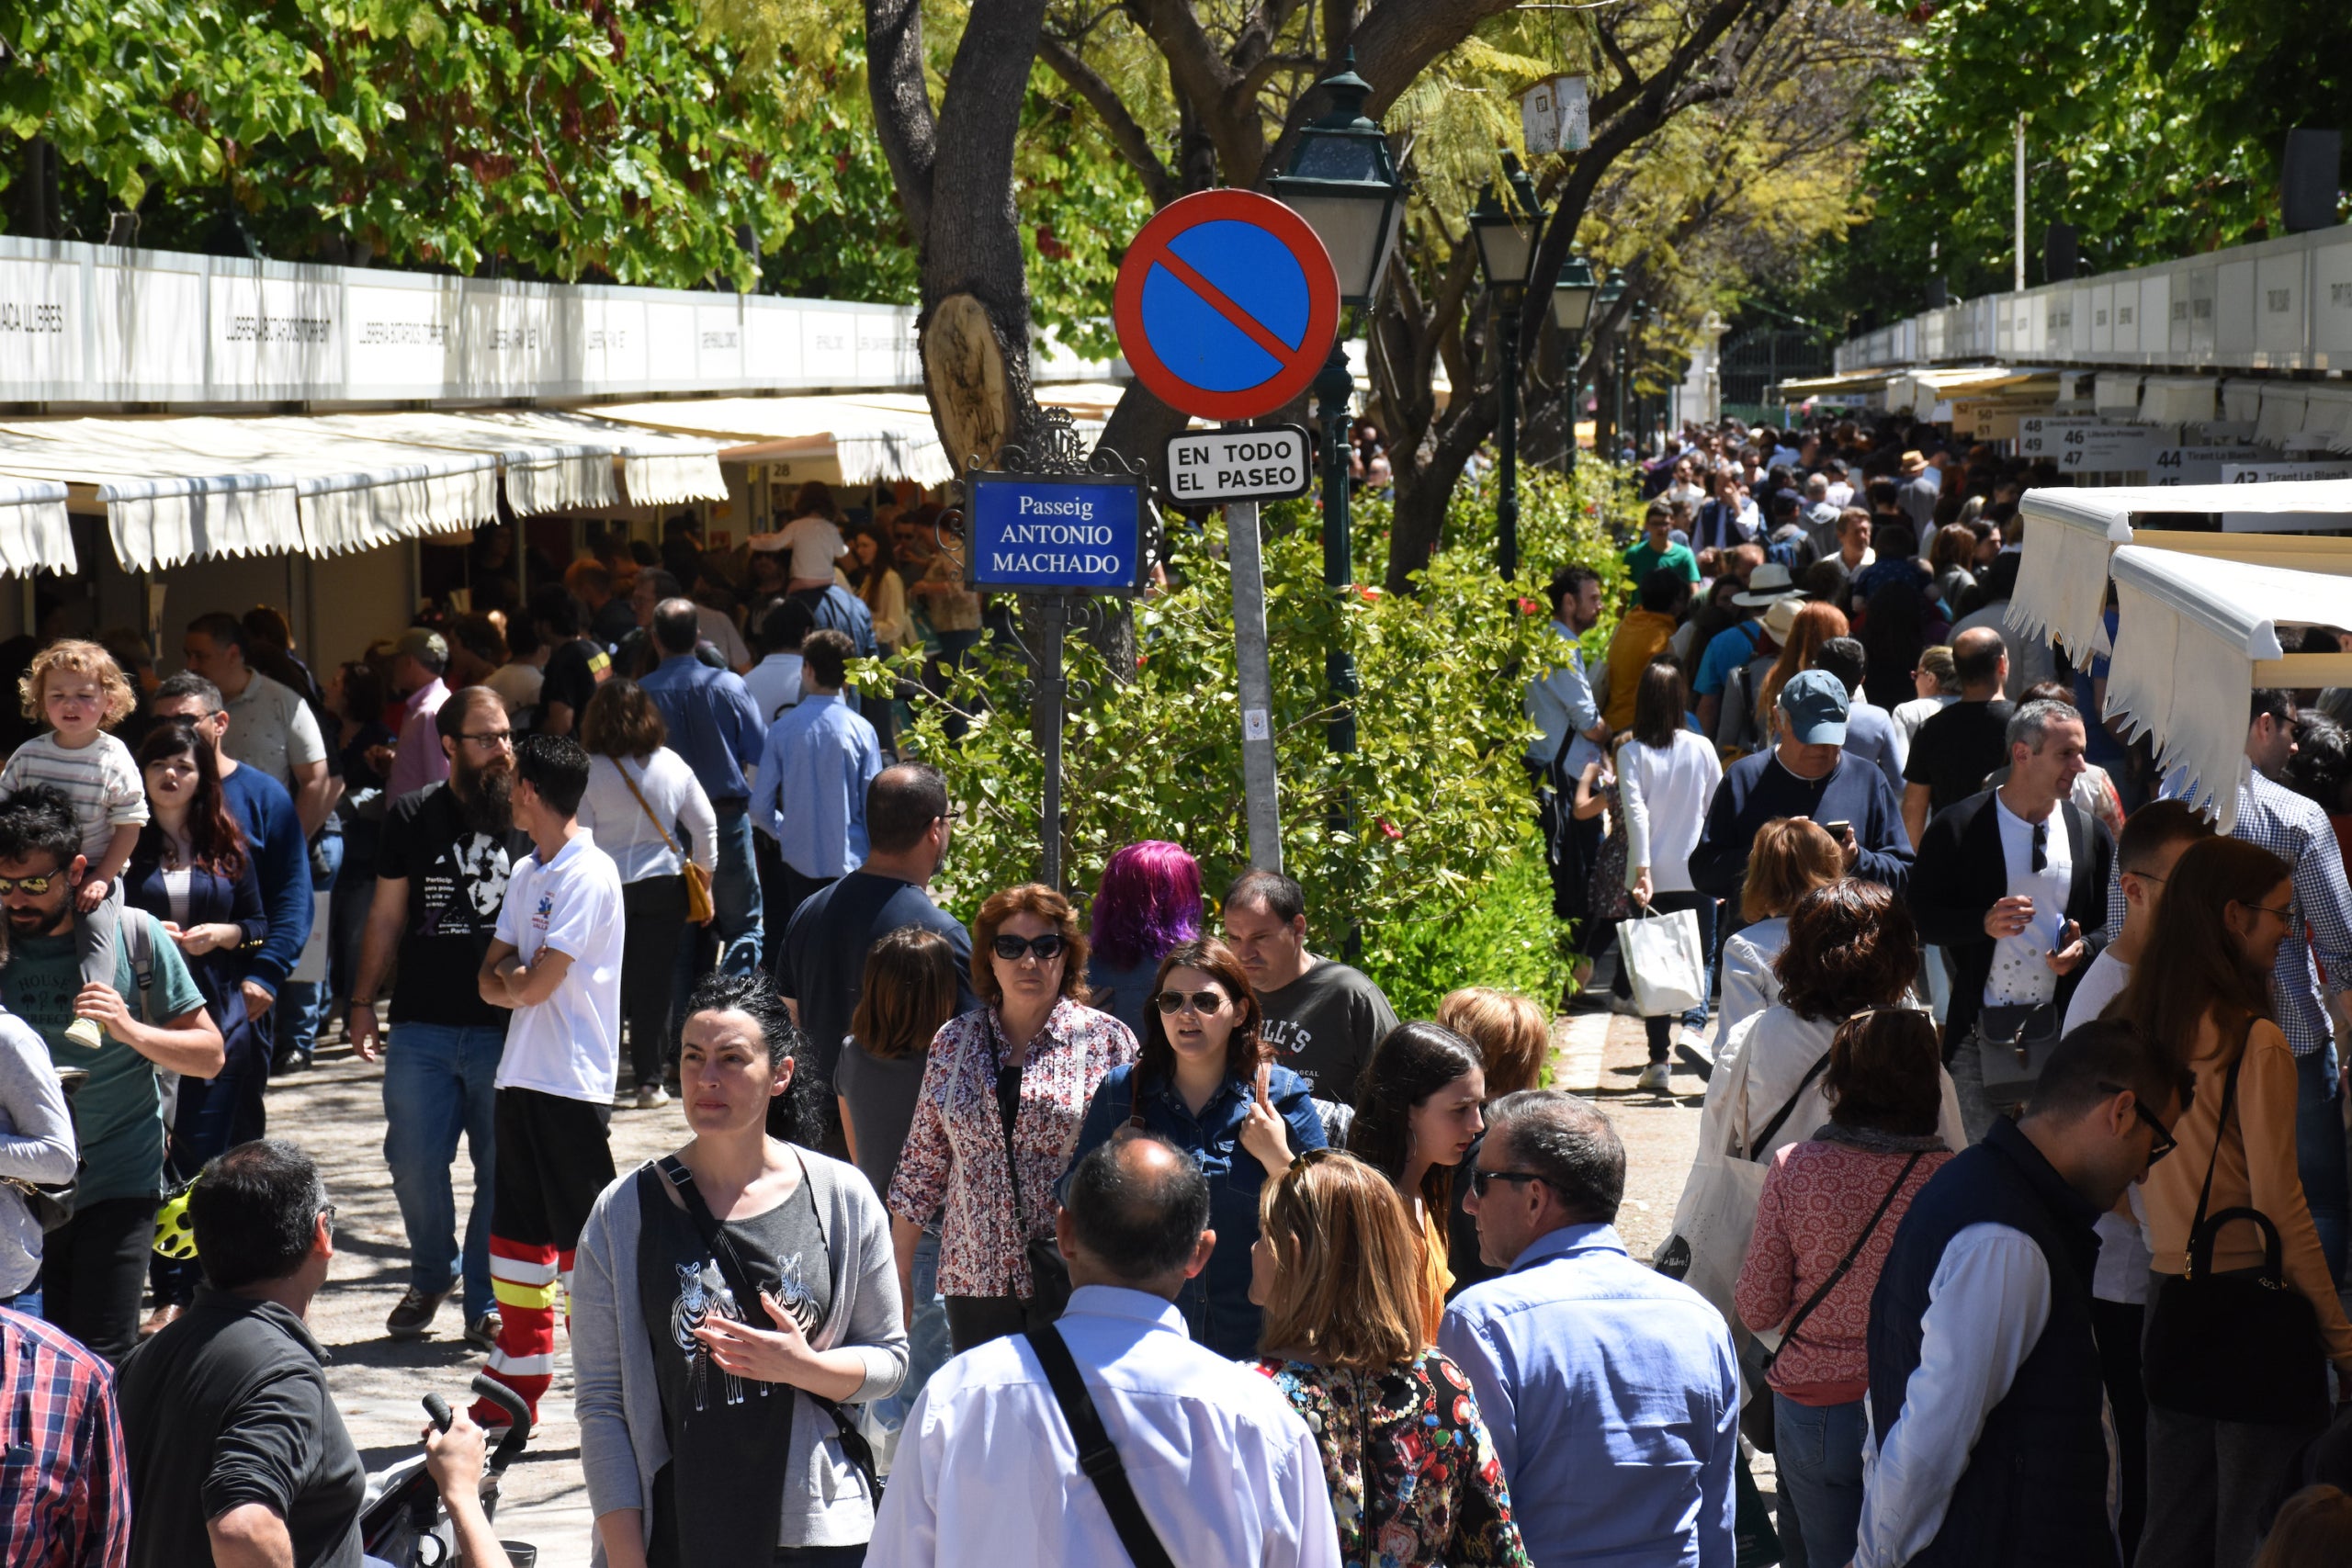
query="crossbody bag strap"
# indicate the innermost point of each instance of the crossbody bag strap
(667, 842)
(1096, 1455)
(1764, 1138)
(854, 1447)
(1788, 1335)
(1004, 1127)
(2221, 1129)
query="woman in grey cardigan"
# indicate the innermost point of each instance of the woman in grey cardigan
(727, 1301)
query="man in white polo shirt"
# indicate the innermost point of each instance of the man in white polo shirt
(557, 962)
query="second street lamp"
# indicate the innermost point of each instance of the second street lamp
(1572, 297)
(1506, 230)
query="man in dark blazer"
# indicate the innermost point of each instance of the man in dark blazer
(2012, 883)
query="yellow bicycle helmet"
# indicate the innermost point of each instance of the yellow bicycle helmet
(174, 1237)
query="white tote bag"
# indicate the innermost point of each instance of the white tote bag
(1716, 1217)
(1668, 963)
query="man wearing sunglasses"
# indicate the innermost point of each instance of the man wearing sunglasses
(1983, 1365)
(94, 1267)
(1611, 1392)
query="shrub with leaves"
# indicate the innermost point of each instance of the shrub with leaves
(1407, 830)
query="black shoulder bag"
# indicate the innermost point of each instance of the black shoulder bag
(1048, 1273)
(854, 1447)
(1096, 1455)
(1796, 1321)
(2234, 1347)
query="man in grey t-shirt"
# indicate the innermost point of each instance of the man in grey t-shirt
(1322, 1018)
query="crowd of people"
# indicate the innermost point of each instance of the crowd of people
(1970, 971)
(1126, 1227)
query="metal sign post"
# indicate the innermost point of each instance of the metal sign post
(1241, 465)
(1063, 527)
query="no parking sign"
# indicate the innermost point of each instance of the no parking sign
(1226, 305)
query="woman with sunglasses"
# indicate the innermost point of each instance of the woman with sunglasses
(1206, 1083)
(1415, 1481)
(1824, 1225)
(2201, 994)
(1011, 1078)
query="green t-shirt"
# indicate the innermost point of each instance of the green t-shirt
(118, 1114)
(1641, 561)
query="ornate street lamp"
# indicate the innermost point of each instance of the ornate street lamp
(1342, 181)
(1506, 230)
(1572, 298)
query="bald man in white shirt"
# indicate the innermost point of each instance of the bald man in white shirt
(1225, 1471)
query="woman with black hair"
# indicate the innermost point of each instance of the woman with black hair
(192, 871)
(728, 1301)
(1417, 1115)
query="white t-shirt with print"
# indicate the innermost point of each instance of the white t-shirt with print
(570, 1044)
(2019, 973)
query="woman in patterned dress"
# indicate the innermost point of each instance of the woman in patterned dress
(1415, 1483)
(1016, 1074)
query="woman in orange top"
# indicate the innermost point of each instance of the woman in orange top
(2200, 992)
(1417, 1115)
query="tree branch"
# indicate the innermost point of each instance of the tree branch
(903, 113)
(1160, 182)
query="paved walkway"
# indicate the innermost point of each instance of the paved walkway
(335, 1112)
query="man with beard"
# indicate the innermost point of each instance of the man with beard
(441, 876)
(94, 1267)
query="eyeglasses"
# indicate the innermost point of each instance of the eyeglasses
(2042, 846)
(2161, 1141)
(1204, 1002)
(36, 885)
(2286, 914)
(1047, 947)
(493, 741)
(326, 1212)
(1481, 1178)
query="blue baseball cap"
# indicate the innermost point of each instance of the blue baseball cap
(1816, 705)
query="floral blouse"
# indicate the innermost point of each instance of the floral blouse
(955, 1150)
(1415, 1483)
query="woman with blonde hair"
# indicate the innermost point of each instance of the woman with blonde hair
(1415, 1481)
(1791, 858)
(1003, 1095)
(1815, 624)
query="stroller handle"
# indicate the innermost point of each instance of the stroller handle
(519, 1431)
(438, 1408)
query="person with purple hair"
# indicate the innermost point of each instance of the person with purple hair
(1147, 904)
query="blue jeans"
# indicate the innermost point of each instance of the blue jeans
(2320, 1153)
(1818, 1450)
(438, 1085)
(927, 1349)
(735, 890)
(302, 1004)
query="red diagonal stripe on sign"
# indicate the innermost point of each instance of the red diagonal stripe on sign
(1250, 326)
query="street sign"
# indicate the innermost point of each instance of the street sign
(1226, 305)
(1270, 463)
(1055, 534)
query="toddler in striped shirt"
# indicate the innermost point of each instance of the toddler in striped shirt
(76, 689)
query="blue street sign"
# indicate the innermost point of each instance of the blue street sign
(1081, 533)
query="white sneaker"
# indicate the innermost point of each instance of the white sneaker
(651, 1097)
(1655, 1078)
(85, 1033)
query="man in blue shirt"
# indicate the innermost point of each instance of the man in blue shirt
(1611, 1392)
(714, 725)
(820, 758)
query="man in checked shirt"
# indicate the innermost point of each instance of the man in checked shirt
(64, 1502)
(2310, 1011)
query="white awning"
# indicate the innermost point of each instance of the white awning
(550, 461)
(2116, 394)
(882, 436)
(2070, 534)
(34, 535)
(2190, 631)
(2327, 422)
(177, 490)
(2178, 400)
